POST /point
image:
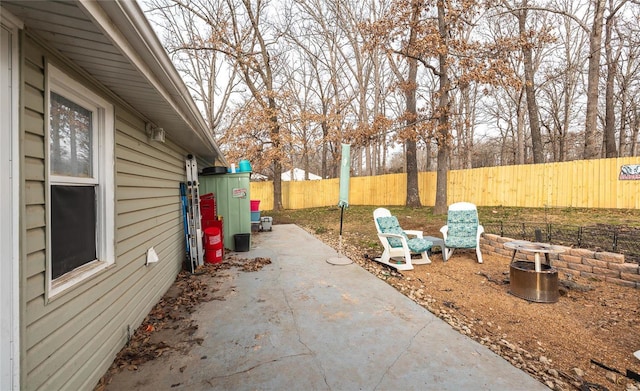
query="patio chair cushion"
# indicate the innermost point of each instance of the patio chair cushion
(390, 225)
(463, 229)
(418, 245)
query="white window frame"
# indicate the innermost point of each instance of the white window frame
(103, 121)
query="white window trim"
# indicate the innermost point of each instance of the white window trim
(104, 172)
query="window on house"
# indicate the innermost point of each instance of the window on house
(81, 165)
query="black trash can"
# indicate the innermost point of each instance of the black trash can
(242, 242)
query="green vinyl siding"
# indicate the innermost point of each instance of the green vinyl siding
(69, 342)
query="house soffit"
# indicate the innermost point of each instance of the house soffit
(105, 41)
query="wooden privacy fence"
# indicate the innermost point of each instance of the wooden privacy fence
(579, 184)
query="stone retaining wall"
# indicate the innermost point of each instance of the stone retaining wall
(606, 266)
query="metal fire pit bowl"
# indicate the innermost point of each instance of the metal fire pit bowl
(526, 283)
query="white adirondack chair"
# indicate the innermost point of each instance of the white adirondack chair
(397, 244)
(463, 229)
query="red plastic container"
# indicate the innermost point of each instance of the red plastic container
(213, 245)
(255, 205)
(218, 223)
(208, 206)
(207, 223)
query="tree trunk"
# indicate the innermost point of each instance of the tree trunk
(566, 120)
(591, 150)
(368, 160)
(305, 159)
(467, 121)
(520, 153)
(532, 105)
(413, 193)
(325, 134)
(635, 128)
(622, 138)
(443, 116)
(427, 153)
(277, 164)
(610, 147)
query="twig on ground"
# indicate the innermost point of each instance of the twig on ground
(491, 279)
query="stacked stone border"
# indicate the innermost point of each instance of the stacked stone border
(606, 266)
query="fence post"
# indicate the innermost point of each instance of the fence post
(549, 232)
(580, 237)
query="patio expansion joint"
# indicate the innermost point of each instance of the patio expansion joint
(401, 353)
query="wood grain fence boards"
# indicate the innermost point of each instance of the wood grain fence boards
(578, 184)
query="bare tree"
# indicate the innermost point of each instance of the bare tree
(413, 195)
(609, 137)
(288, 84)
(350, 83)
(530, 38)
(319, 40)
(591, 149)
(573, 40)
(238, 30)
(408, 85)
(442, 113)
(591, 142)
(628, 84)
(211, 79)
(529, 86)
(613, 56)
(504, 105)
(300, 117)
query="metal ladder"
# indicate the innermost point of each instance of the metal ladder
(196, 253)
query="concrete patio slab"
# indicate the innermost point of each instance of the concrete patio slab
(301, 323)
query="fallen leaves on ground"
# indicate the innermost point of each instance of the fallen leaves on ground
(555, 343)
(168, 326)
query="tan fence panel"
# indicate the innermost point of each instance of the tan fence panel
(627, 192)
(307, 194)
(427, 187)
(262, 191)
(579, 184)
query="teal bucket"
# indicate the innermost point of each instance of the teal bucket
(244, 166)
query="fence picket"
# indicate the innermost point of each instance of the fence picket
(578, 184)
